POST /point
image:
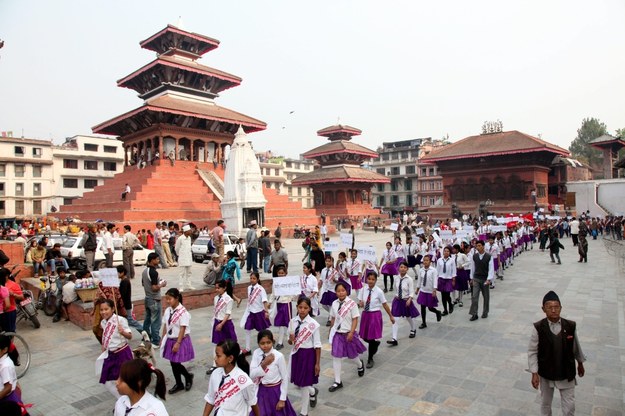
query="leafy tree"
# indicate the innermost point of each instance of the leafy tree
(591, 129)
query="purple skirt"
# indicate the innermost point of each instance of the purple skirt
(399, 309)
(526, 238)
(328, 297)
(481, 237)
(509, 252)
(185, 351)
(496, 264)
(462, 280)
(371, 325)
(227, 332)
(268, 397)
(283, 314)
(445, 285)
(356, 282)
(532, 238)
(113, 363)
(257, 321)
(341, 348)
(427, 300)
(389, 269)
(303, 367)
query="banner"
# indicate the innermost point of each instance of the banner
(367, 253)
(394, 226)
(461, 234)
(419, 231)
(108, 277)
(468, 228)
(346, 239)
(332, 246)
(456, 224)
(446, 234)
(286, 286)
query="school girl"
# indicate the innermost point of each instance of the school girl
(256, 315)
(176, 345)
(403, 306)
(411, 250)
(134, 378)
(268, 370)
(398, 247)
(223, 328)
(388, 265)
(463, 273)
(310, 287)
(368, 266)
(343, 335)
(492, 249)
(446, 272)
(284, 311)
(330, 276)
(230, 389)
(115, 348)
(9, 391)
(427, 282)
(305, 362)
(353, 269)
(372, 299)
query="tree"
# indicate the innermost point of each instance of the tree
(590, 130)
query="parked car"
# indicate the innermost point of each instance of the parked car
(72, 250)
(202, 247)
(52, 239)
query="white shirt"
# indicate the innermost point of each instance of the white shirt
(69, 292)
(406, 285)
(377, 298)
(174, 327)
(449, 265)
(275, 372)
(107, 242)
(389, 256)
(346, 323)
(7, 372)
(129, 240)
(329, 278)
(236, 382)
(223, 306)
(309, 285)
(462, 261)
(427, 285)
(117, 340)
(311, 342)
(491, 266)
(148, 405)
(257, 304)
(411, 249)
(399, 250)
(183, 249)
(353, 267)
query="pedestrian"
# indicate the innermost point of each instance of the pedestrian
(256, 315)
(264, 251)
(107, 245)
(102, 293)
(269, 371)
(306, 354)
(177, 347)
(158, 245)
(126, 192)
(554, 248)
(372, 299)
(344, 338)
(278, 232)
(574, 227)
(251, 243)
(217, 235)
(223, 328)
(482, 274)
(388, 265)
(89, 244)
(553, 349)
(427, 283)
(9, 391)
(446, 272)
(310, 287)
(230, 270)
(283, 312)
(152, 287)
(582, 249)
(185, 258)
(330, 276)
(403, 305)
(230, 389)
(353, 270)
(134, 378)
(125, 290)
(115, 348)
(462, 273)
(240, 252)
(279, 257)
(129, 242)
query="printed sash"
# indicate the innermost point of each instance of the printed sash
(230, 388)
(306, 331)
(221, 304)
(174, 317)
(109, 331)
(255, 293)
(348, 304)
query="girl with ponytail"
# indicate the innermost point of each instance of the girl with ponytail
(134, 378)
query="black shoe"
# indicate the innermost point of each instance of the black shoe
(423, 326)
(484, 315)
(385, 290)
(445, 313)
(361, 369)
(439, 316)
(188, 382)
(210, 371)
(328, 323)
(451, 309)
(392, 342)
(370, 363)
(176, 388)
(473, 318)
(460, 305)
(413, 334)
(335, 386)
(279, 346)
(455, 301)
(312, 401)
(56, 319)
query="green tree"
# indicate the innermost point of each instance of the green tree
(591, 129)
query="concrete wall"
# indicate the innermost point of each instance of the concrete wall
(599, 194)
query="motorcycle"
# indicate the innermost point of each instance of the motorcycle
(47, 295)
(26, 309)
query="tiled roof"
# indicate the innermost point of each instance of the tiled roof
(343, 173)
(339, 146)
(207, 43)
(495, 144)
(607, 139)
(339, 128)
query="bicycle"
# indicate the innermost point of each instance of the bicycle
(47, 296)
(20, 355)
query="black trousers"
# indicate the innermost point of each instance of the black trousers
(179, 370)
(385, 281)
(373, 347)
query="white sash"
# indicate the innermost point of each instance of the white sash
(175, 318)
(354, 264)
(221, 303)
(305, 332)
(109, 331)
(231, 387)
(347, 307)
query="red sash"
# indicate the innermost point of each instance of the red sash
(109, 331)
(254, 295)
(353, 265)
(176, 316)
(220, 305)
(306, 331)
(330, 276)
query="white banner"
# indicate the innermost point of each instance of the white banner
(456, 224)
(468, 228)
(394, 226)
(461, 233)
(367, 253)
(286, 286)
(108, 277)
(419, 231)
(502, 220)
(446, 234)
(331, 246)
(498, 228)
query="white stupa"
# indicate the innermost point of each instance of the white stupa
(243, 199)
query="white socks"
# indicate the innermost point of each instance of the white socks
(395, 330)
(110, 386)
(306, 393)
(412, 322)
(281, 333)
(248, 339)
(336, 365)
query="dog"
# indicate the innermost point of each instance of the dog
(144, 350)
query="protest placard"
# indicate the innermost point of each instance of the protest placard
(394, 226)
(108, 277)
(366, 253)
(446, 234)
(331, 245)
(419, 231)
(286, 286)
(346, 239)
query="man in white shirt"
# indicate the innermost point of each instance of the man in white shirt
(107, 245)
(185, 258)
(482, 275)
(574, 226)
(129, 242)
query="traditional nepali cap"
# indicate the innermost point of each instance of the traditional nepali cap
(186, 227)
(551, 295)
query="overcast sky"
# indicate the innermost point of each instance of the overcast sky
(395, 69)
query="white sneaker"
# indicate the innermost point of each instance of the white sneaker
(156, 346)
(190, 288)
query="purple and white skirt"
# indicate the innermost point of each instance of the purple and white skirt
(303, 367)
(427, 299)
(389, 269)
(342, 348)
(496, 264)
(268, 397)
(399, 309)
(113, 363)
(185, 351)
(328, 297)
(445, 285)
(283, 314)
(227, 332)
(257, 321)
(371, 325)
(356, 282)
(462, 279)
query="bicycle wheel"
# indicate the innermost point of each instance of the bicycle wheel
(21, 355)
(49, 306)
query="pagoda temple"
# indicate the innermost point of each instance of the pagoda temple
(341, 187)
(176, 143)
(609, 146)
